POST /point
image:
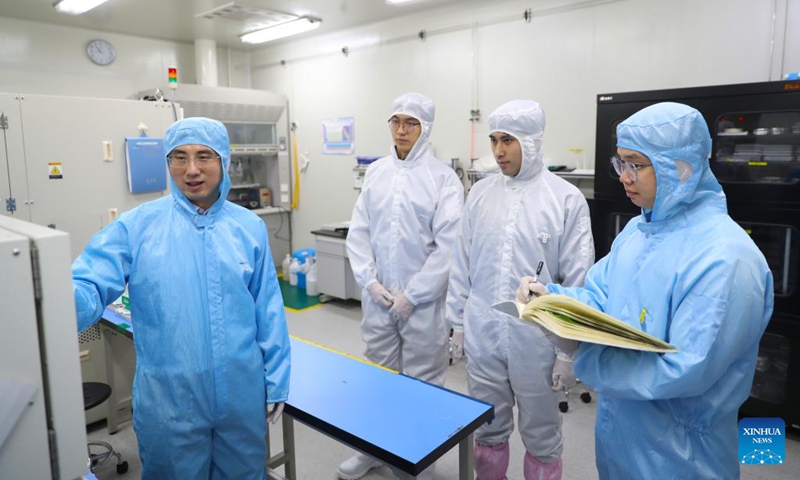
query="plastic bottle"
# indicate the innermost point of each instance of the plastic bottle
(311, 281)
(294, 267)
(301, 274)
(287, 262)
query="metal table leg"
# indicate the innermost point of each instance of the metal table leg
(466, 469)
(287, 456)
(111, 423)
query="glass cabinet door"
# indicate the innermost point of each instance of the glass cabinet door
(758, 147)
(772, 369)
(241, 133)
(780, 245)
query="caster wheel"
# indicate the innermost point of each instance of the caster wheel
(563, 406)
(586, 397)
(122, 467)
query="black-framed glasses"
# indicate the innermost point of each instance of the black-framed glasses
(632, 169)
(201, 159)
(408, 125)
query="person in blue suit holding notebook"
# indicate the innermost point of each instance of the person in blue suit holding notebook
(685, 272)
(212, 346)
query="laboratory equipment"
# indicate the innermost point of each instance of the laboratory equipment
(361, 169)
(42, 433)
(334, 275)
(53, 160)
(247, 196)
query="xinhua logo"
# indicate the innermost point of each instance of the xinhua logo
(762, 441)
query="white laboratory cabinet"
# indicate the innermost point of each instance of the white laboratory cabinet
(54, 167)
(42, 434)
(334, 276)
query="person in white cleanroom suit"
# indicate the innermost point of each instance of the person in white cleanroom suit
(400, 243)
(511, 223)
(212, 347)
(686, 273)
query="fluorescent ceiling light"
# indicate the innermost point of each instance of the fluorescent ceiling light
(285, 29)
(76, 7)
(398, 2)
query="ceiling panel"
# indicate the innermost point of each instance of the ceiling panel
(176, 20)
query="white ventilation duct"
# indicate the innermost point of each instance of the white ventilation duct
(205, 59)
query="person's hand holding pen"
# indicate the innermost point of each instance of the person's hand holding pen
(529, 286)
(565, 349)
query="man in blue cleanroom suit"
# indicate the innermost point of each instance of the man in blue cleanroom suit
(401, 235)
(212, 348)
(511, 223)
(686, 273)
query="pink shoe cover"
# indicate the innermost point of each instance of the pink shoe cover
(491, 463)
(535, 470)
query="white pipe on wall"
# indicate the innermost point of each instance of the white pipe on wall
(205, 60)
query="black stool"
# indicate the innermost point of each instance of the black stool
(94, 394)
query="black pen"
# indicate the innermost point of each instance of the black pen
(538, 271)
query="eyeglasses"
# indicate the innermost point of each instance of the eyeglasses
(201, 159)
(408, 126)
(632, 169)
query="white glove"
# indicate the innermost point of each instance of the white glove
(457, 344)
(381, 296)
(563, 377)
(274, 413)
(528, 286)
(401, 308)
(565, 347)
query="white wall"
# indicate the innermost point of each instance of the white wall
(561, 59)
(47, 59)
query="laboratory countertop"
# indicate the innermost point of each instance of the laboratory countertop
(269, 210)
(330, 233)
(577, 173)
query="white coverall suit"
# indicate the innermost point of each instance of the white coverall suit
(401, 235)
(510, 224)
(403, 228)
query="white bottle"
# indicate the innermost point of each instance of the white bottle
(293, 269)
(287, 262)
(311, 281)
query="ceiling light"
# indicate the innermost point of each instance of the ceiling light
(285, 29)
(398, 2)
(76, 7)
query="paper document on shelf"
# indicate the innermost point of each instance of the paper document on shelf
(569, 318)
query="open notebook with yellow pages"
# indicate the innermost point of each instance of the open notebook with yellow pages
(569, 318)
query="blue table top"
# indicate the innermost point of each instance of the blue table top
(398, 419)
(113, 319)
